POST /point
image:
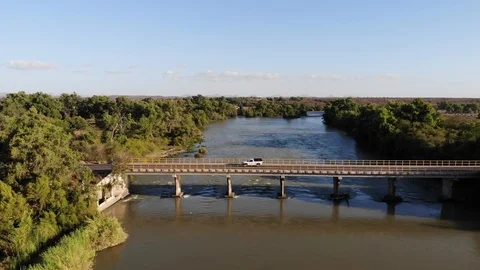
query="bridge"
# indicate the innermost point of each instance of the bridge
(447, 170)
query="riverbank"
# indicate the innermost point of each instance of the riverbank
(76, 250)
(405, 130)
(167, 153)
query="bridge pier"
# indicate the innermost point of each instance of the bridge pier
(281, 194)
(230, 193)
(336, 188)
(178, 186)
(391, 196)
(447, 187)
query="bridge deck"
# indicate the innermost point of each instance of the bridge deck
(353, 168)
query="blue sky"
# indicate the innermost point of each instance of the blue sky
(262, 48)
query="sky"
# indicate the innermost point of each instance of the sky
(421, 48)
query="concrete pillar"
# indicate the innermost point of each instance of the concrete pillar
(391, 196)
(230, 193)
(281, 194)
(178, 186)
(392, 187)
(447, 188)
(336, 186)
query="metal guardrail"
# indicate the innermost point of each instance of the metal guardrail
(321, 162)
(315, 167)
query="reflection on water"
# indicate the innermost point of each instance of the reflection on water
(306, 231)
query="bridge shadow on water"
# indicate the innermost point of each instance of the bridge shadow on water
(219, 191)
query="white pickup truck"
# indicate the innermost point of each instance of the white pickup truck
(253, 162)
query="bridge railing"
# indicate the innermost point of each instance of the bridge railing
(314, 162)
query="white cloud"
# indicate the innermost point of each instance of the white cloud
(30, 65)
(171, 74)
(234, 75)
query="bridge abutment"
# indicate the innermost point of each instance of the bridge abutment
(178, 186)
(391, 196)
(230, 193)
(281, 193)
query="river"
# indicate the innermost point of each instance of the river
(305, 231)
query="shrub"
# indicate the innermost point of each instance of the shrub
(203, 150)
(76, 251)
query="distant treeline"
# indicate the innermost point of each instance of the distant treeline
(466, 108)
(413, 130)
(292, 107)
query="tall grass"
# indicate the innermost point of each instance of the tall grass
(76, 251)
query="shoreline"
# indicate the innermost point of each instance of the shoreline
(166, 154)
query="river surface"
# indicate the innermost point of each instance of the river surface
(305, 231)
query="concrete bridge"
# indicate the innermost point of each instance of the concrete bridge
(447, 170)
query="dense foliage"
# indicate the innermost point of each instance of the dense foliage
(44, 189)
(293, 107)
(450, 107)
(100, 126)
(406, 130)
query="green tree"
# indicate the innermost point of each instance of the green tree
(15, 221)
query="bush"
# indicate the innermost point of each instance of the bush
(72, 252)
(203, 150)
(105, 232)
(76, 251)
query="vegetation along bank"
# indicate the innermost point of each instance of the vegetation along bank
(413, 130)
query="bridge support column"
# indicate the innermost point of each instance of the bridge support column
(178, 186)
(391, 196)
(230, 193)
(446, 189)
(336, 187)
(281, 194)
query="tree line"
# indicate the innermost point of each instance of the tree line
(466, 108)
(413, 130)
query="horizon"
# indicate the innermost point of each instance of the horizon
(4, 94)
(315, 49)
